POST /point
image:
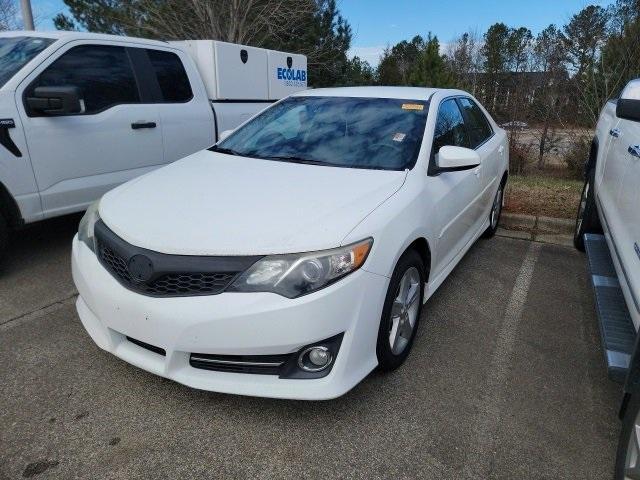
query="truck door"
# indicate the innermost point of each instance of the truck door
(184, 109)
(627, 232)
(76, 158)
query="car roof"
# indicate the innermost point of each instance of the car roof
(67, 36)
(413, 93)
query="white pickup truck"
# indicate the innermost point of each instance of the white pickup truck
(81, 113)
(608, 227)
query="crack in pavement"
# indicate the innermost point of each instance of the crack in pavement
(38, 312)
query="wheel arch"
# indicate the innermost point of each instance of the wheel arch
(9, 208)
(593, 156)
(421, 245)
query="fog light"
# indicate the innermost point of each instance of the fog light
(315, 359)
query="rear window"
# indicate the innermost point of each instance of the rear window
(16, 52)
(172, 77)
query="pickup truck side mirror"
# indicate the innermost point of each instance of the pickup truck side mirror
(55, 101)
(628, 109)
(224, 135)
(628, 105)
(456, 159)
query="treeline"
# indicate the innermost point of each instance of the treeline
(563, 75)
(312, 27)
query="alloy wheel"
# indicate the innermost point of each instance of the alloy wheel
(404, 312)
(496, 209)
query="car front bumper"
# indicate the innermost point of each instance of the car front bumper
(233, 324)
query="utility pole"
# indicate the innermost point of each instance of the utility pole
(27, 14)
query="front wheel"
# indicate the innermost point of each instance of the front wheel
(628, 456)
(587, 220)
(401, 312)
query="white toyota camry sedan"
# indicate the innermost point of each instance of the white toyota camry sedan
(295, 256)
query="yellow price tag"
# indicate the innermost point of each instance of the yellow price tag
(412, 106)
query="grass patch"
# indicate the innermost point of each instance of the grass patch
(543, 195)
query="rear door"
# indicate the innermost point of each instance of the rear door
(76, 158)
(489, 147)
(184, 109)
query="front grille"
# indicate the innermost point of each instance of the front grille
(164, 275)
(256, 364)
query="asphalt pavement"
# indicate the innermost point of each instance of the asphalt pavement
(505, 381)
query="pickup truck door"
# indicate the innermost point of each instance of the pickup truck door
(77, 158)
(626, 232)
(459, 209)
(185, 112)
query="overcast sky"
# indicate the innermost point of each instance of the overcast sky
(377, 23)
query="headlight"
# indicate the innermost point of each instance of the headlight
(299, 274)
(88, 222)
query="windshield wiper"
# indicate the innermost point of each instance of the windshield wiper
(293, 159)
(228, 151)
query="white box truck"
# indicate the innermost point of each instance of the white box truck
(81, 113)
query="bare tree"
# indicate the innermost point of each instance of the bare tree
(8, 15)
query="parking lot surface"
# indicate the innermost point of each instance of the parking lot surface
(505, 381)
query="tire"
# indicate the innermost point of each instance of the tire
(628, 455)
(401, 312)
(496, 211)
(4, 237)
(587, 220)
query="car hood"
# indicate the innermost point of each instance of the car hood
(217, 204)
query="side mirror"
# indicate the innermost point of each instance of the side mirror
(55, 101)
(224, 135)
(628, 109)
(628, 105)
(456, 159)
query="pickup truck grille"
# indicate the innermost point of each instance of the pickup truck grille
(162, 275)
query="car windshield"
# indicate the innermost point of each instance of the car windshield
(16, 52)
(372, 133)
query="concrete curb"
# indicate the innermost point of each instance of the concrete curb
(557, 231)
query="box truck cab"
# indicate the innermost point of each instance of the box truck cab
(81, 113)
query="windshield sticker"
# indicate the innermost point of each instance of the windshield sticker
(412, 106)
(398, 137)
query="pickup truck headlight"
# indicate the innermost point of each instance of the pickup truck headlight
(298, 274)
(87, 224)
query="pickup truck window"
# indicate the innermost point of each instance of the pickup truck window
(102, 73)
(16, 52)
(371, 133)
(477, 124)
(173, 79)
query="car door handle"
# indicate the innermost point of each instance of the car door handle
(477, 171)
(501, 149)
(634, 150)
(614, 132)
(139, 125)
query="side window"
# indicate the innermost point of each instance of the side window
(450, 129)
(173, 79)
(102, 73)
(477, 124)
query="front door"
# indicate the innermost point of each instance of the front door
(459, 208)
(77, 158)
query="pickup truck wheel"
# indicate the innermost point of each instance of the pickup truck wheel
(628, 456)
(401, 312)
(496, 211)
(587, 220)
(4, 236)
